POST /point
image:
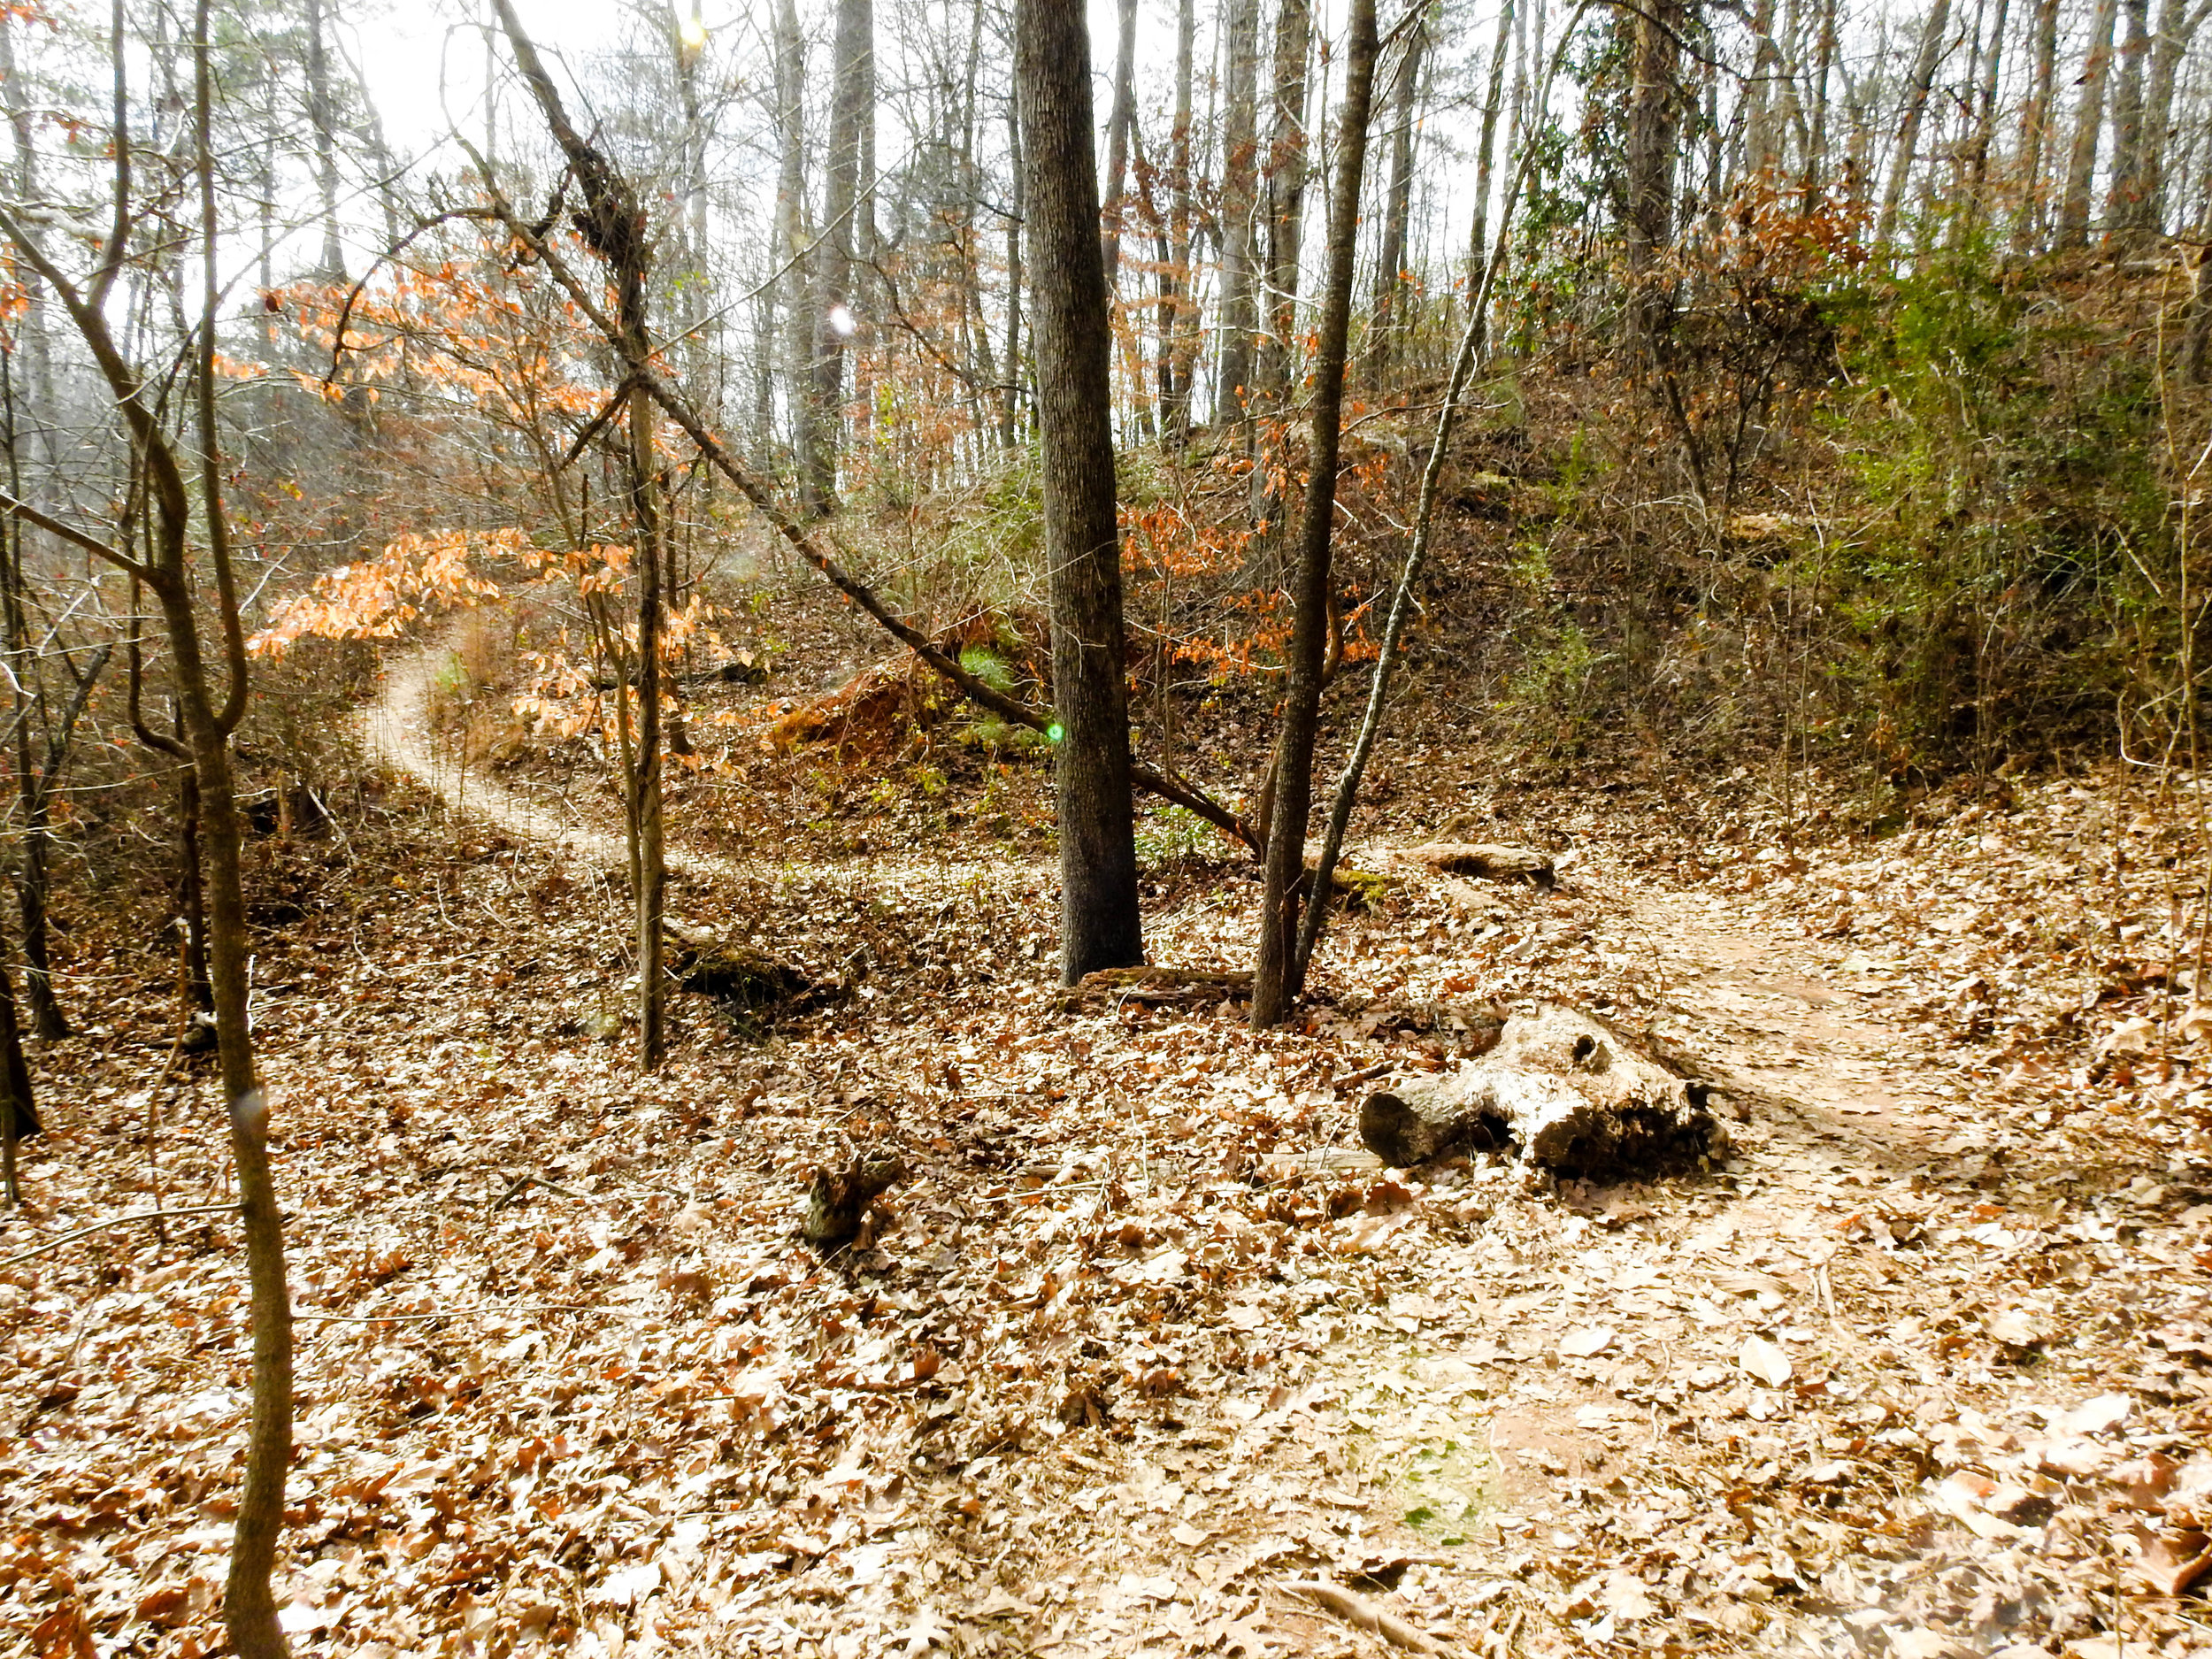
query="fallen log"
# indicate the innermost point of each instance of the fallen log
(1571, 1092)
(1180, 987)
(1491, 860)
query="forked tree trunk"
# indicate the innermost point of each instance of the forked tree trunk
(1933, 32)
(1100, 925)
(1275, 975)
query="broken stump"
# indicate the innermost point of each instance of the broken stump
(838, 1201)
(1574, 1094)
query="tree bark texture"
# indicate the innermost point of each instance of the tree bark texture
(2081, 164)
(1286, 195)
(1933, 32)
(1275, 979)
(833, 255)
(1653, 124)
(1486, 159)
(1100, 925)
(1393, 287)
(1238, 278)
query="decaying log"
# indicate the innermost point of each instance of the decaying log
(1491, 860)
(1157, 987)
(838, 1199)
(742, 979)
(1571, 1092)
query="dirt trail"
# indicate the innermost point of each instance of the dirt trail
(396, 732)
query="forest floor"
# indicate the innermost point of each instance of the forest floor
(1147, 1342)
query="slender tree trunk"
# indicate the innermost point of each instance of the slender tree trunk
(1275, 979)
(1179, 350)
(790, 232)
(1286, 196)
(1816, 179)
(320, 118)
(1655, 50)
(1391, 279)
(191, 897)
(2081, 164)
(1766, 62)
(2125, 199)
(645, 793)
(19, 1111)
(1118, 121)
(2035, 129)
(1100, 925)
(1011, 396)
(833, 255)
(1985, 114)
(2177, 27)
(1238, 318)
(1485, 158)
(1933, 38)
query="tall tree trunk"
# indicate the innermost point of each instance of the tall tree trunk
(1118, 121)
(1179, 351)
(1485, 158)
(1391, 278)
(1100, 926)
(1275, 979)
(1655, 50)
(1766, 61)
(1985, 115)
(2035, 129)
(833, 256)
(321, 118)
(1285, 189)
(2177, 25)
(2124, 200)
(790, 223)
(1239, 142)
(1933, 32)
(1816, 180)
(1010, 386)
(2081, 164)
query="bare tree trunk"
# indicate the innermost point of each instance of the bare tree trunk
(320, 118)
(1011, 403)
(1179, 351)
(1816, 179)
(1933, 31)
(2081, 165)
(19, 1111)
(1485, 156)
(2035, 129)
(1284, 187)
(2123, 200)
(833, 255)
(1238, 319)
(1985, 115)
(1652, 127)
(1100, 926)
(1119, 122)
(1392, 283)
(1275, 979)
(2177, 26)
(790, 75)
(1766, 60)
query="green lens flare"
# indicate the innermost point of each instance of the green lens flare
(1055, 732)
